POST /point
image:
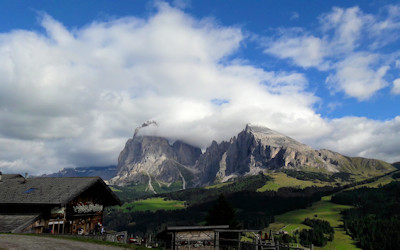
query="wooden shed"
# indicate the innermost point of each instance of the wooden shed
(189, 237)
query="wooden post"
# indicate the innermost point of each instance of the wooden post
(216, 241)
(173, 241)
(239, 244)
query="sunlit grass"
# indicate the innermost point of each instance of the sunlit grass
(283, 180)
(219, 185)
(114, 189)
(152, 204)
(324, 210)
(381, 181)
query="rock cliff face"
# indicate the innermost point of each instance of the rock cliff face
(255, 149)
(151, 158)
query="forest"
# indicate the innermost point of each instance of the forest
(374, 222)
(255, 210)
(319, 235)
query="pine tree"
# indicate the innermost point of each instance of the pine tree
(222, 213)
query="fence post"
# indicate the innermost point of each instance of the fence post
(239, 237)
(216, 239)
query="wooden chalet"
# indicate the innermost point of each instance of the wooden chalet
(69, 205)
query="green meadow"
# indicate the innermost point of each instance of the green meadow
(379, 182)
(324, 210)
(283, 180)
(219, 185)
(152, 204)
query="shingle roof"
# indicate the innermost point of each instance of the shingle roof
(196, 228)
(13, 223)
(10, 176)
(16, 190)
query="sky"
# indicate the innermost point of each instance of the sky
(77, 77)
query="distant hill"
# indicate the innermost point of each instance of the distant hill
(396, 165)
(105, 173)
(152, 161)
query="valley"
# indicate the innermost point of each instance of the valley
(270, 201)
(270, 180)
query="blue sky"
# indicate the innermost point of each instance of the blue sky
(77, 77)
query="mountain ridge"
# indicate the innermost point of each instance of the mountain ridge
(105, 172)
(255, 149)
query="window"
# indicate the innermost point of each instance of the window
(30, 190)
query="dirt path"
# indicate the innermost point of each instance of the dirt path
(12, 241)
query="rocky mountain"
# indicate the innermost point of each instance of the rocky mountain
(258, 149)
(105, 173)
(152, 159)
(255, 149)
(396, 165)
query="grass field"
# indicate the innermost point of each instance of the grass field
(152, 204)
(324, 210)
(219, 185)
(282, 180)
(114, 189)
(381, 181)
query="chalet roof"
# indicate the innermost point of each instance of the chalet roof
(13, 223)
(14, 189)
(196, 228)
(10, 176)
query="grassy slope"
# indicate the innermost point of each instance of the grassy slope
(219, 185)
(290, 221)
(381, 181)
(131, 193)
(363, 168)
(324, 210)
(282, 180)
(152, 204)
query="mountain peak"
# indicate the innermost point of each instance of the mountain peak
(273, 138)
(251, 128)
(149, 159)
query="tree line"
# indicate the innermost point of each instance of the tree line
(255, 210)
(375, 221)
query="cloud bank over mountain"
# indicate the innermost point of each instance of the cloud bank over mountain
(72, 97)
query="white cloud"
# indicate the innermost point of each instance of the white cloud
(347, 25)
(354, 68)
(312, 51)
(182, 4)
(305, 51)
(356, 77)
(294, 15)
(72, 98)
(385, 29)
(397, 64)
(396, 86)
(360, 136)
